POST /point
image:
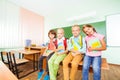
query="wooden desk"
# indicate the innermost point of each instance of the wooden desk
(5, 73)
(37, 48)
(34, 54)
(28, 52)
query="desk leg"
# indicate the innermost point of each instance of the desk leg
(37, 61)
(19, 55)
(34, 62)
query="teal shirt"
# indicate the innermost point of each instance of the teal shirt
(82, 48)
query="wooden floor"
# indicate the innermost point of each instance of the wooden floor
(112, 74)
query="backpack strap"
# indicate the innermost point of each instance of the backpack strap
(80, 41)
(56, 43)
(65, 43)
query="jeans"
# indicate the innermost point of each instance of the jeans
(41, 62)
(96, 65)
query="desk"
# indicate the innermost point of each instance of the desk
(37, 48)
(5, 73)
(31, 52)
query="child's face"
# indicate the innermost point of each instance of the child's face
(88, 31)
(60, 34)
(51, 36)
(75, 31)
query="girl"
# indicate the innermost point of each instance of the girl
(95, 44)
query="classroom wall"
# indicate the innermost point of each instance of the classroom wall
(112, 54)
(32, 26)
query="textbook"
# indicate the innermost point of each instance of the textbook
(94, 43)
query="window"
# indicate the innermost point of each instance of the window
(10, 30)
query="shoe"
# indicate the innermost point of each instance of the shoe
(40, 75)
(47, 77)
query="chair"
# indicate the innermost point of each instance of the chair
(6, 60)
(16, 62)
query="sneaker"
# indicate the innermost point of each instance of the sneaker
(47, 77)
(40, 75)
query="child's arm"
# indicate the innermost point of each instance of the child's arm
(83, 49)
(52, 51)
(70, 47)
(59, 49)
(63, 52)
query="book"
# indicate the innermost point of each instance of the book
(94, 43)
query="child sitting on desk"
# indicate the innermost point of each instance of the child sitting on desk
(47, 54)
(59, 55)
(77, 47)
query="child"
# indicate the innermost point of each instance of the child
(48, 53)
(59, 54)
(76, 47)
(95, 44)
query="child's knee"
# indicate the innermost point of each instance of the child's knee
(65, 62)
(56, 63)
(50, 61)
(75, 65)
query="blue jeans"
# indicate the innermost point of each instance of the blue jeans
(96, 65)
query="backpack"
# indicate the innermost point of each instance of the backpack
(64, 41)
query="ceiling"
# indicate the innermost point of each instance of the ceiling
(57, 11)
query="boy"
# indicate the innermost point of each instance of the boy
(48, 53)
(76, 47)
(59, 55)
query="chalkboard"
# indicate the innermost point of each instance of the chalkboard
(99, 26)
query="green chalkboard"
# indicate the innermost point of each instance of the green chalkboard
(99, 26)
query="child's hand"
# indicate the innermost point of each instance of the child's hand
(90, 49)
(77, 52)
(73, 54)
(44, 54)
(58, 53)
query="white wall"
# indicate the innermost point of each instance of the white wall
(112, 54)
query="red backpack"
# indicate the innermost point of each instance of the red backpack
(64, 41)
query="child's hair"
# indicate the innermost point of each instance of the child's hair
(89, 26)
(76, 26)
(61, 29)
(52, 32)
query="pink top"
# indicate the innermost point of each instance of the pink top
(94, 41)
